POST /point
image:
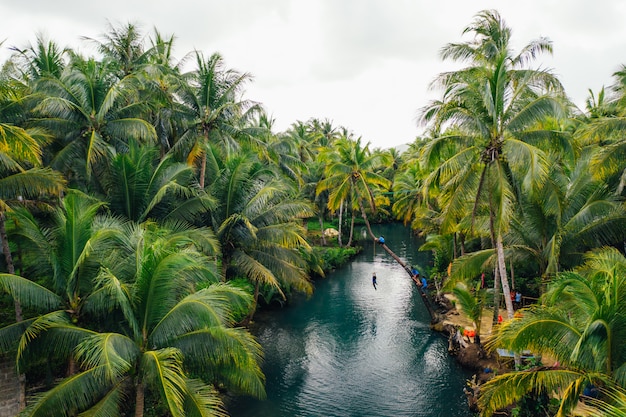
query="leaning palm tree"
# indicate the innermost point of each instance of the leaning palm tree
(494, 106)
(586, 342)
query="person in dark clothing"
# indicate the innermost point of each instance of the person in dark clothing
(374, 280)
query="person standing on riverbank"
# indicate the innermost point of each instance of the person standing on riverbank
(374, 280)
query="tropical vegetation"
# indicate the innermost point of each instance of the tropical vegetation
(148, 211)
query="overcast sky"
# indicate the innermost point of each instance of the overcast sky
(363, 64)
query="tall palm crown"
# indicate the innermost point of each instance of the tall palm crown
(211, 96)
(605, 126)
(124, 47)
(91, 112)
(44, 59)
(494, 106)
(351, 171)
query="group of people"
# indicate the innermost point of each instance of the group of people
(416, 278)
(516, 298)
(414, 272)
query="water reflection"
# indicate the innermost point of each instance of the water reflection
(355, 351)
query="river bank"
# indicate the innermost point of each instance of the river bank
(460, 331)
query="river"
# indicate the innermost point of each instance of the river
(355, 351)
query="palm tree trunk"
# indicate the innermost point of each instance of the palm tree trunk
(512, 275)
(503, 278)
(321, 219)
(9, 260)
(496, 296)
(367, 223)
(18, 307)
(506, 291)
(462, 239)
(340, 218)
(202, 170)
(477, 337)
(351, 230)
(139, 400)
(454, 245)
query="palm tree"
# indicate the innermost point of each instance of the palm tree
(211, 96)
(571, 214)
(140, 186)
(494, 106)
(91, 112)
(66, 255)
(604, 126)
(289, 151)
(471, 301)
(324, 133)
(258, 223)
(44, 59)
(124, 47)
(22, 180)
(18, 148)
(314, 175)
(21, 175)
(351, 172)
(175, 340)
(587, 342)
(407, 196)
(156, 69)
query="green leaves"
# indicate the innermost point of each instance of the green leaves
(111, 355)
(29, 293)
(587, 341)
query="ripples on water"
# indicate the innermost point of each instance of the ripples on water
(355, 351)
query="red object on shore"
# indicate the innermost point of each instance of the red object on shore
(469, 332)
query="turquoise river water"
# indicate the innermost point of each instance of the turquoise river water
(353, 351)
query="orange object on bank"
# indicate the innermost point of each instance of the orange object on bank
(469, 332)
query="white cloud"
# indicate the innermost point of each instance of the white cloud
(365, 64)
